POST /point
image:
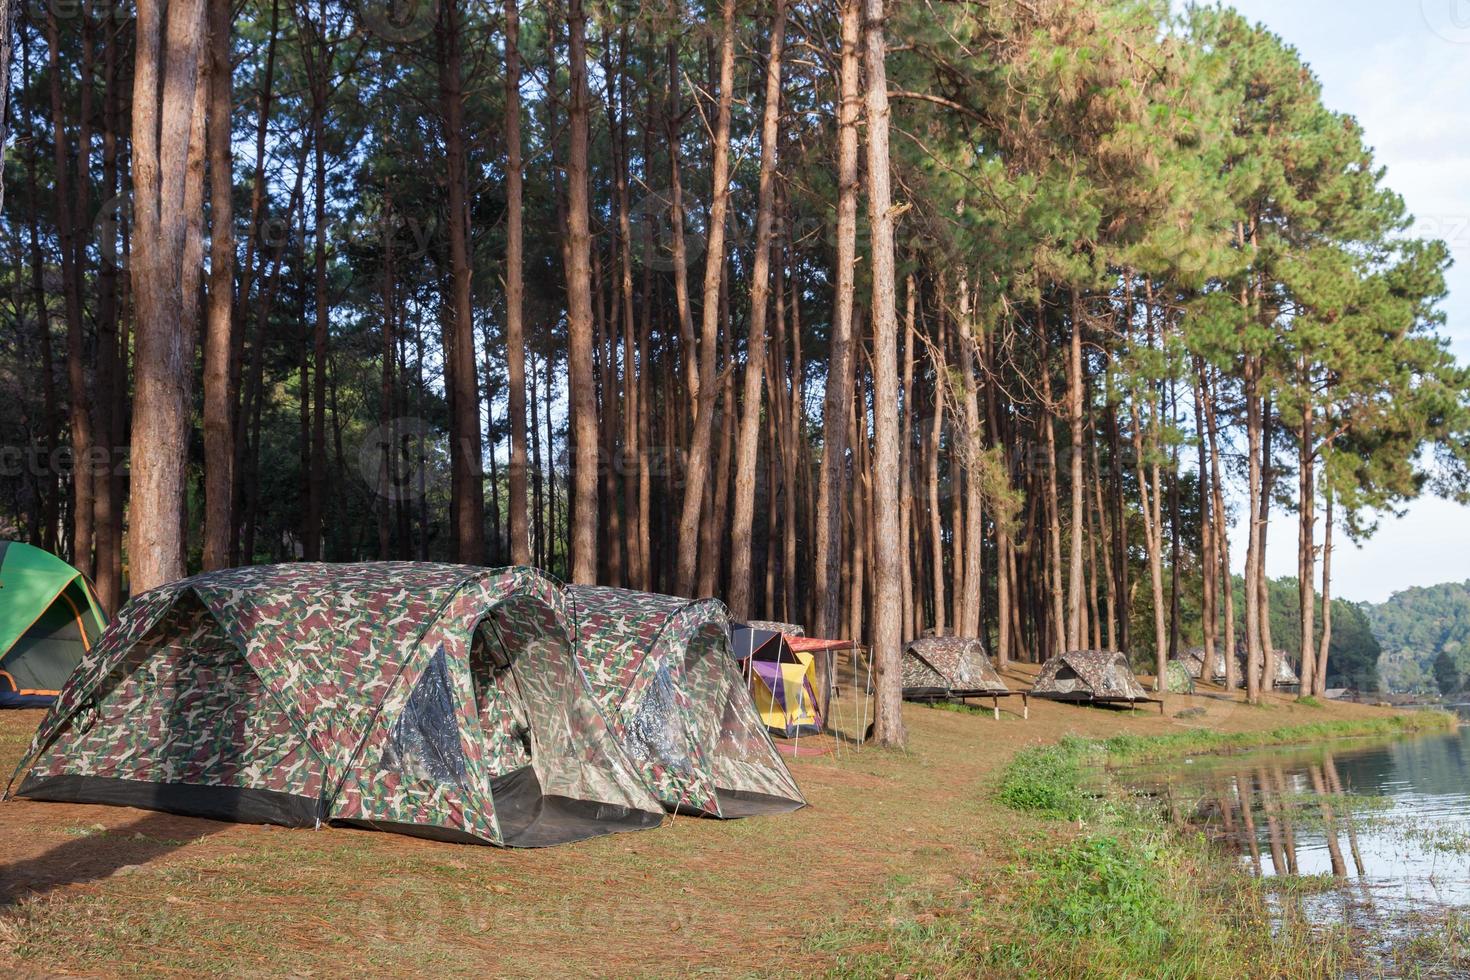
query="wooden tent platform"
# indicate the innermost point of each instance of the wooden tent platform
(936, 695)
(1090, 699)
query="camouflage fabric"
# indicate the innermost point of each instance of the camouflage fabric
(1286, 675)
(942, 663)
(661, 669)
(786, 629)
(1193, 661)
(359, 687)
(1089, 674)
(1177, 679)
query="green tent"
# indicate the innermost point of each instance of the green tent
(49, 618)
(440, 701)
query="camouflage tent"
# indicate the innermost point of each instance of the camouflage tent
(771, 625)
(945, 666)
(1177, 679)
(1286, 675)
(661, 669)
(1193, 661)
(436, 700)
(1089, 675)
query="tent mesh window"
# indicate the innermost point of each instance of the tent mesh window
(655, 731)
(1067, 679)
(742, 749)
(425, 741)
(572, 747)
(498, 704)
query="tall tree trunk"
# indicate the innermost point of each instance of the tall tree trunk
(974, 535)
(1306, 542)
(50, 417)
(168, 136)
(219, 341)
(1106, 549)
(1150, 491)
(832, 478)
(111, 380)
(538, 513)
(1253, 547)
(1268, 480)
(748, 441)
(580, 380)
(467, 490)
(696, 473)
(1226, 585)
(515, 341)
(625, 462)
(1174, 523)
(1209, 566)
(68, 213)
(1319, 676)
(317, 55)
(1046, 420)
(887, 586)
(7, 24)
(245, 456)
(907, 539)
(388, 441)
(935, 515)
(1075, 585)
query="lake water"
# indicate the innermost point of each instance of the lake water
(1390, 820)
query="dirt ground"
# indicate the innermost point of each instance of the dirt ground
(110, 890)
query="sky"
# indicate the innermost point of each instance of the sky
(1402, 68)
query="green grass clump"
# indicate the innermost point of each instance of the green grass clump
(1105, 887)
(1146, 748)
(1047, 780)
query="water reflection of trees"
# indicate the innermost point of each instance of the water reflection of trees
(1280, 806)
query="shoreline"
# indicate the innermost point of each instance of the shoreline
(1104, 884)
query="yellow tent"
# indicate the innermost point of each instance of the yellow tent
(785, 692)
(783, 680)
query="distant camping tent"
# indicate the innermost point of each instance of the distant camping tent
(1286, 675)
(783, 680)
(1092, 676)
(662, 670)
(1193, 661)
(938, 668)
(948, 667)
(436, 700)
(49, 619)
(1177, 679)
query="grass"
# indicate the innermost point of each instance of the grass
(1119, 892)
(1047, 780)
(1129, 748)
(1438, 946)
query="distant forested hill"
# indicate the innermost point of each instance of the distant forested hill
(1425, 635)
(1354, 656)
